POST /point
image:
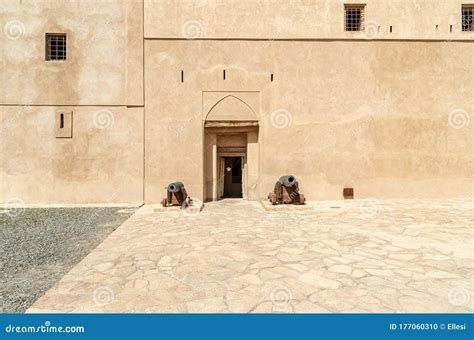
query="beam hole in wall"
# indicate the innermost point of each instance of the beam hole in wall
(391, 29)
(437, 27)
(451, 28)
(63, 124)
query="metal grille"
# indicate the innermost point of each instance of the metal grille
(55, 46)
(354, 17)
(467, 12)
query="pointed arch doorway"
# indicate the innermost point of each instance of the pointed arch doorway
(230, 149)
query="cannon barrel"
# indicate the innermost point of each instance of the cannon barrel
(175, 186)
(287, 181)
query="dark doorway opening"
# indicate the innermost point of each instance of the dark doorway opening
(232, 177)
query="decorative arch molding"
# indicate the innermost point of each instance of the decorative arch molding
(230, 106)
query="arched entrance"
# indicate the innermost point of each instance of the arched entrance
(230, 149)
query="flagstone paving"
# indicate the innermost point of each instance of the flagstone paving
(240, 256)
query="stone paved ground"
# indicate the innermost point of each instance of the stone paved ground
(39, 246)
(236, 256)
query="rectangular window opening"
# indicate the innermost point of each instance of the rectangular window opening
(182, 76)
(223, 74)
(56, 46)
(466, 19)
(61, 121)
(354, 17)
(271, 77)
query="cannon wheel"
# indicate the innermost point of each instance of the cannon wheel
(302, 199)
(273, 198)
(164, 202)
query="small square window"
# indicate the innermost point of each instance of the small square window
(466, 18)
(354, 17)
(55, 46)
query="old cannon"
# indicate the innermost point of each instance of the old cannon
(176, 195)
(286, 192)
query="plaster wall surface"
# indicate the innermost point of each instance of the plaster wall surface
(104, 63)
(102, 162)
(370, 115)
(388, 113)
(101, 82)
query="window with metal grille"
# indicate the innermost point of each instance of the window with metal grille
(354, 17)
(466, 19)
(56, 46)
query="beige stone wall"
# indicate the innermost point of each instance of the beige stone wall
(302, 19)
(102, 162)
(370, 115)
(386, 113)
(101, 82)
(104, 44)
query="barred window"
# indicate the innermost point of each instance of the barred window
(355, 16)
(55, 46)
(466, 19)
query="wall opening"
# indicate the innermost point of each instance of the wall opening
(354, 17)
(467, 21)
(230, 135)
(55, 46)
(232, 180)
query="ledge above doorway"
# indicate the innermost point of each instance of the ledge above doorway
(230, 126)
(230, 123)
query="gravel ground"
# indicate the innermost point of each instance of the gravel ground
(40, 245)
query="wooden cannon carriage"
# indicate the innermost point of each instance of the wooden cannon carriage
(286, 191)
